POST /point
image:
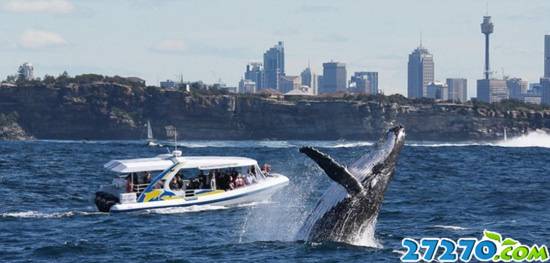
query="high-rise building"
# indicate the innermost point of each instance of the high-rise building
(247, 86)
(254, 72)
(420, 72)
(306, 77)
(437, 90)
(492, 90)
(314, 84)
(25, 72)
(516, 88)
(288, 83)
(364, 82)
(547, 56)
(274, 66)
(334, 77)
(545, 91)
(458, 89)
(489, 89)
(319, 84)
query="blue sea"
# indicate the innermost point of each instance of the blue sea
(439, 190)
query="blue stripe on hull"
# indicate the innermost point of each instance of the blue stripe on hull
(198, 203)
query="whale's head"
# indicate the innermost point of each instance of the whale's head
(380, 163)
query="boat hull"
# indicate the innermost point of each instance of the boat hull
(254, 193)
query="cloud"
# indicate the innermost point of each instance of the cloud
(38, 6)
(36, 39)
(170, 46)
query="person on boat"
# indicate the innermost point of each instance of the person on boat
(239, 181)
(148, 177)
(159, 184)
(231, 184)
(174, 184)
(266, 169)
(203, 179)
(249, 179)
(129, 183)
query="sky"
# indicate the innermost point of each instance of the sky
(211, 40)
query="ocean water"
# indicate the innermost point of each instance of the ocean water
(439, 190)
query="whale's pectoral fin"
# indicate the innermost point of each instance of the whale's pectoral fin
(334, 170)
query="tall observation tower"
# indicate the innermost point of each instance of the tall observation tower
(490, 89)
(487, 28)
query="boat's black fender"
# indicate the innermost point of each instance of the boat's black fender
(104, 201)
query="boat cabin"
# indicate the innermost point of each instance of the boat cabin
(168, 177)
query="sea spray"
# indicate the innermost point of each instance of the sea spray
(281, 219)
(537, 138)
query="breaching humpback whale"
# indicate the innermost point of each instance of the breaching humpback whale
(348, 210)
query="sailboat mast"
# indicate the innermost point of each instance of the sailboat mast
(149, 131)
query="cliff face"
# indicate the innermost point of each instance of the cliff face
(114, 111)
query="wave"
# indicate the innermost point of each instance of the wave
(274, 144)
(536, 138)
(47, 215)
(456, 228)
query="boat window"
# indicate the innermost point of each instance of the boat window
(187, 179)
(137, 182)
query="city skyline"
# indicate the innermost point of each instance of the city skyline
(155, 41)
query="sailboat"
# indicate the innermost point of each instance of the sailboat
(505, 135)
(151, 142)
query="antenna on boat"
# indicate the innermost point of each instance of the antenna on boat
(172, 131)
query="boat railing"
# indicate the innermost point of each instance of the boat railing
(139, 187)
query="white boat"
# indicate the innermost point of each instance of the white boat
(183, 181)
(151, 142)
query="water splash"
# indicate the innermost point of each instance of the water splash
(455, 228)
(366, 237)
(283, 215)
(47, 215)
(537, 138)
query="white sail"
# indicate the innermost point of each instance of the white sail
(149, 131)
(505, 135)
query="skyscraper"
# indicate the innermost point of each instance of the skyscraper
(365, 82)
(288, 83)
(334, 77)
(547, 56)
(247, 86)
(420, 72)
(437, 90)
(458, 89)
(274, 66)
(545, 91)
(306, 77)
(516, 88)
(254, 72)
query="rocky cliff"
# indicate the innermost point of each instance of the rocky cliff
(107, 110)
